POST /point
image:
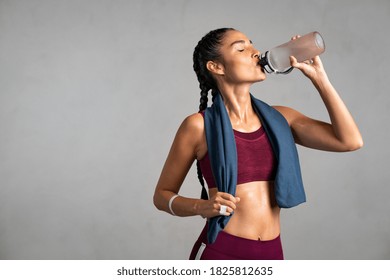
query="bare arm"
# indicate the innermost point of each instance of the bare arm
(342, 134)
(188, 145)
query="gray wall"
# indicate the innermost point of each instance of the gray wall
(92, 93)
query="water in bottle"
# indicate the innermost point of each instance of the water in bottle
(277, 59)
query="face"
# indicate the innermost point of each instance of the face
(239, 60)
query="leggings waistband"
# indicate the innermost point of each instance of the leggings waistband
(228, 246)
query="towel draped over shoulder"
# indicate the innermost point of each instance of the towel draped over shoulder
(222, 151)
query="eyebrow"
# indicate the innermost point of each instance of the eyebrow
(240, 42)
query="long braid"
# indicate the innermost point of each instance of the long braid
(207, 50)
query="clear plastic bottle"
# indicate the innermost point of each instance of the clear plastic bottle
(277, 59)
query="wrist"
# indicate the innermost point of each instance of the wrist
(171, 202)
(321, 80)
(198, 207)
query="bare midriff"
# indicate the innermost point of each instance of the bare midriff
(257, 215)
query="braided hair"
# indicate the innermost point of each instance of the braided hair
(207, 50)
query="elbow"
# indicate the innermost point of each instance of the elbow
(156, 201)
(360, 144)
(355, 145)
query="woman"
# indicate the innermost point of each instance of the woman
(244, 222)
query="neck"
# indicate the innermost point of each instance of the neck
(238, 104)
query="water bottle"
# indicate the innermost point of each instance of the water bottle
(277, 59)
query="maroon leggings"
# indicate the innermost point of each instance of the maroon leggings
(230, 247)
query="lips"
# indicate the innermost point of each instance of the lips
(261, 67)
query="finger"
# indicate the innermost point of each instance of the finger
(293, 61)
(316, 60)
(228, 196)
(295, 37)
(227, 203)
(225, 210)
(299, 65)
(228, 200)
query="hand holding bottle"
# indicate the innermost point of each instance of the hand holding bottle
(311, 68)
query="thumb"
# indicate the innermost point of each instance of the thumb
(293, 61)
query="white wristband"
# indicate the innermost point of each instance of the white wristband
(170, 204)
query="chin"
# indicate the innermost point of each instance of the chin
(262, 77)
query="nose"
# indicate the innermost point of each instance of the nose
(256, 53)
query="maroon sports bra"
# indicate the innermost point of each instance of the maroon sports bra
(255, 159)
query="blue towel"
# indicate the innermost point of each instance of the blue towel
(222, 151)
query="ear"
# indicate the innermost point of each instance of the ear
(215, 67)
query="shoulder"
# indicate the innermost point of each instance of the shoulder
(288, 113)
(191, 134)
(193, 124)
(192, 128)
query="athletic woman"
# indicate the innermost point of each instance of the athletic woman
(227, 64)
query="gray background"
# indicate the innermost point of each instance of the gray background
(92, 93)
